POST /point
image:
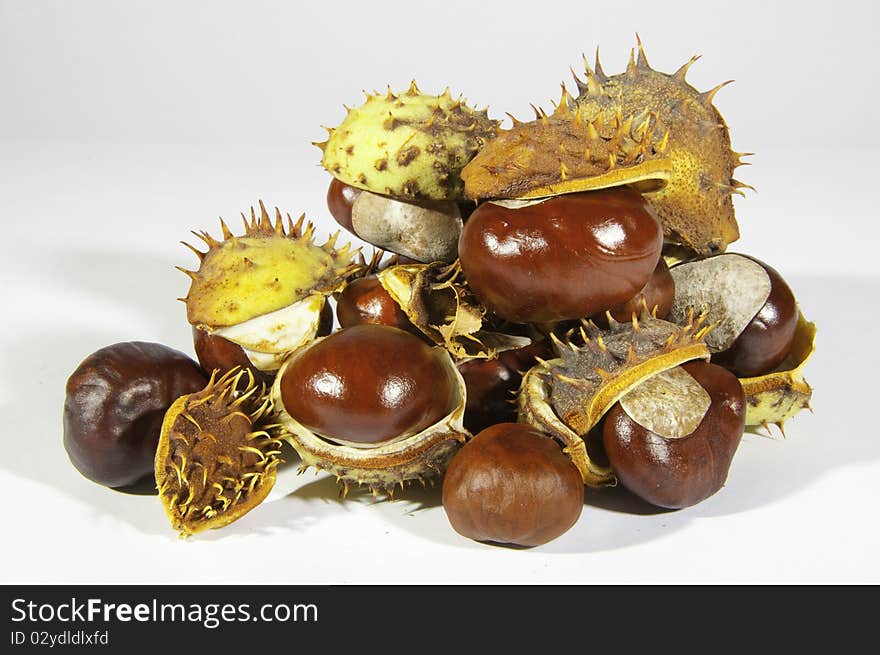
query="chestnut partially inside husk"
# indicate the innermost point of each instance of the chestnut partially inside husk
(755, 311)
(372, 404)
(562, 258)
(676, 451)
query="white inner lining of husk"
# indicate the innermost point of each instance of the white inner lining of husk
(268, 338)
(730, 288)
(670, 404)
(517, 203)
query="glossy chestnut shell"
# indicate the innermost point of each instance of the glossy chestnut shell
(680, 472)
(492, 383)
(368, 384)
(568, 257)
(512, 484)
(340, 198)
(657, 293)
(114, 405)
(766, 340)
(365, 300)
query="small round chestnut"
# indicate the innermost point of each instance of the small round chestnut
(368, 384)
(491, 384)
(671, 440)
(114, 405)
(566, 257)
(365, 300)
(766, 340)
(512, 484)
(657, 294)
(340, 199)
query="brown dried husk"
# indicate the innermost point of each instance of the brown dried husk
(687, 157)
(567, 396)
(777, 396)
(437, 300)
(216, 461)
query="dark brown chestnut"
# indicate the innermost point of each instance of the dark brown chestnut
(368, 384)
(768, 337)
(657, 293)
(114, 405)
(340, 198)
(670, 463)
(512, 484)
(365, 300)
(491, 384)
(567, 257)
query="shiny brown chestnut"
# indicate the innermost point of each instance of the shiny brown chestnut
(657, 293)
(512, 484)
(368, 384)
(340, 199)
(365, 300)
(676, 470)
(768, 337)
(567, 257)
(491, 384)
(114, 405)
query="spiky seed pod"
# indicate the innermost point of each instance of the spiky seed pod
(436, 299)
(410, 146)
(687, 132)
(777, 396)
(265, 289)
(696, 204)
(382, 466)
(215, 460)
(567, 396)
(567, 152)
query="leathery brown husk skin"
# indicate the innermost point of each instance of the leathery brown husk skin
(437, 300)
(567, 396)
(409, 146)
(662, 135)
(777, 396)
(421, 457)
(216, 461)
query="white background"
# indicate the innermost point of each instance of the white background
(123, 125)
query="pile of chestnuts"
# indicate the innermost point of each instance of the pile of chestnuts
(546, 307)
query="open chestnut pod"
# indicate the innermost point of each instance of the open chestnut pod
(438, 301)
(259, 296)
(565, 397)
(373, 405)
(779, 395)
(672, 438)
(562, 258)
(216, 461)
(512, 484)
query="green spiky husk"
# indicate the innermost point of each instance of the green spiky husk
(410, 146)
